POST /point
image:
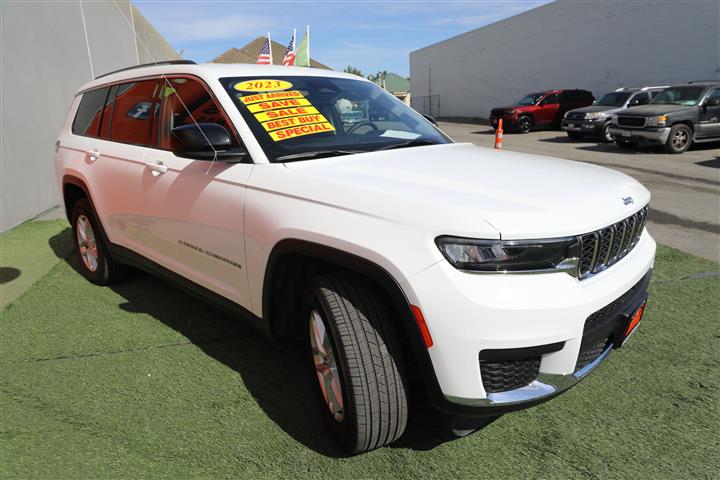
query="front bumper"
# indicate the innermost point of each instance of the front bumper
(470, 313)
(587, 127)
(656, 135)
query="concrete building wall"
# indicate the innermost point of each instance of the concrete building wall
(598, 46)
(44, 60)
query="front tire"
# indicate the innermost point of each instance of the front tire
(606, 136)
(679, 140)
(357, 361)
(524, 124)
(96, 264)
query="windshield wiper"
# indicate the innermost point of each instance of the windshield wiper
(410, 143)
(316, 154)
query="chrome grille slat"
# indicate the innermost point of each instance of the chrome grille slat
(603, 248)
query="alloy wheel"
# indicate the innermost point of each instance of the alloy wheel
(680, 139)
(86, 243)
(326, 366)
(524, 125)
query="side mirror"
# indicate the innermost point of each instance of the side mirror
(201, 141)
(430, 119)
(713, 102)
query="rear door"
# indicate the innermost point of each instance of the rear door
(113, 145)
(709, 125)
(194, 208)
(548, 111)
(125, 135)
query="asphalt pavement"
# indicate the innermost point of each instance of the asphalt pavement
(685, 205)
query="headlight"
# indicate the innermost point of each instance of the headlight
(510, 255)
(660, 121)
(594, 115)
(613, 119)
(511, 112)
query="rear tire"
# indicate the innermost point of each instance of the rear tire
(679, 140)
(575, 135)
(625, 145)
(96, 264)
(524, 124)
(357, 362)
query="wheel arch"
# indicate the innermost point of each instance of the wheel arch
(292, 262)
(73, 189)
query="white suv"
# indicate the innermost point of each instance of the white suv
(317, 206)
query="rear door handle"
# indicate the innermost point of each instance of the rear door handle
(156, 167)
(93, 154)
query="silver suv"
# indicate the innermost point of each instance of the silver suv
(594, 121)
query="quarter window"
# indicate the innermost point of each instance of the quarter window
(89, 113)
(133, 112)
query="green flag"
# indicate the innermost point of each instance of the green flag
(302, 59)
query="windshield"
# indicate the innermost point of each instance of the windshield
(614, 99)
(299, 117)
(687, 96)
(530, 99)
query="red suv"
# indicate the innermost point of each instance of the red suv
(540, 109)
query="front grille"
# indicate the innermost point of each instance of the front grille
(636, 122)
(604, 247)
(501, 376)
(590, 353)
(601, 314)
(575, 116)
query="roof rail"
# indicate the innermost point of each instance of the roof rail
(154, 64)
(643, 89)
(705, 81)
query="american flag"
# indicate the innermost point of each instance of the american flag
(265, 57)
(289, 59)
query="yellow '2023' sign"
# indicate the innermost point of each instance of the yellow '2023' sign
(262, 85)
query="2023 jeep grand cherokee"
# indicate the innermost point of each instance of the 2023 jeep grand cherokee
(495, 279)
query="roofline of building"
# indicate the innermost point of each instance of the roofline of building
(485, 26)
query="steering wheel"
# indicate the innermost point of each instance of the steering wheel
(363, 123)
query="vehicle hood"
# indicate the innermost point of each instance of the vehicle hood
(653, 110)
(462, 189)
(596, 108)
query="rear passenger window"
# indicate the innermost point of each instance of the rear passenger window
(133, 112)
(183, 102)
(89, 113)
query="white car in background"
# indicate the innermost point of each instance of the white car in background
(495, 279)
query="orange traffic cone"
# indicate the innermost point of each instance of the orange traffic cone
(499, 135)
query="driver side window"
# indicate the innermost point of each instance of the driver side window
(550, 99)
(184, 101)
(640, 99)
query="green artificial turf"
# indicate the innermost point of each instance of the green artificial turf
(140, 380)
(27, 253)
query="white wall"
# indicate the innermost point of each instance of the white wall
(43, 62)
(598, 46)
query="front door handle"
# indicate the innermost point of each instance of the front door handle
(157, 168)
(93, 154)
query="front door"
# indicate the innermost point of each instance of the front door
(709, 125)
(195, 207)
(549, 107)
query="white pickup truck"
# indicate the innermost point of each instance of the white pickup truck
(317, 206)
